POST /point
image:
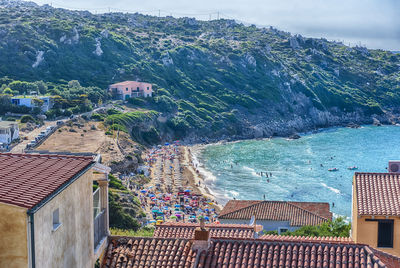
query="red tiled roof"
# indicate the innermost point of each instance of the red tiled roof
(127, 83)
(186, 230)
(258, 253)
(314, 239)
(148, 252)
(378, 194)
(157, 252)
(277, 211)
(27, 179)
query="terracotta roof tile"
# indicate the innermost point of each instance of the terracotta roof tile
(148, 252)
(378, 193)
(160, 252)
(315, 239)
(258, 253)
(27, 179)
(186, 230)
(294, 212)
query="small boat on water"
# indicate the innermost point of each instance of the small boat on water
(352, 168)
(333, 169)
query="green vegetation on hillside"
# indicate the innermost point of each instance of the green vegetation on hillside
(211, 78)
(69, 98)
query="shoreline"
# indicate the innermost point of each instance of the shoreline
(197, 179)
(216, 141)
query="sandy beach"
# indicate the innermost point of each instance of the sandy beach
(176, 191)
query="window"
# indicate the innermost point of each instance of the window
(137, 88)
(282, 230)
(126, 89)
(148, 88)
(385, 233)
(56, 219)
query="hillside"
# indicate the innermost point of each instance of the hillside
(214, 79)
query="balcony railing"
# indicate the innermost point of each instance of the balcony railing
(99, 227)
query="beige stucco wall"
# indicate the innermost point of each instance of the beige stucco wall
(13, 236)
(367, 233)
(71, 245)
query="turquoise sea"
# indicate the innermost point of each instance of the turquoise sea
(232, 169)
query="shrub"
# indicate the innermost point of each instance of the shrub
(113, 111)
(27, 118)
(97, 117)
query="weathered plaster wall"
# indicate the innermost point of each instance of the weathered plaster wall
(14, 236)
(71, 245)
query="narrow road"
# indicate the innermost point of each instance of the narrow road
(20, 147)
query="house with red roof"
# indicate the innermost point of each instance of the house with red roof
(49, 214)
(376, 211)
(280, 216)
(130, 89)
(203, 248)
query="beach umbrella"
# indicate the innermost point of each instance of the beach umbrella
(151, 195)
(206, 218)
(160, 213)
(192, 217)
(155, 210)
(166, 208)
(178, 215)
(177, 206)
(173, 217)
(143, 191)
(159, 218)
(187, 191)
(152, 221)
(166, 144)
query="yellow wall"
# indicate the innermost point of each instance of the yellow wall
(366, 232)
(71, 245)
(13, 236)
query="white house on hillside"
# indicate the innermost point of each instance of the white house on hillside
(28, 101)
(9, 131)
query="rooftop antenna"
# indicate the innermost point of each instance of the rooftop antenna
(218, 15)
(159, 13)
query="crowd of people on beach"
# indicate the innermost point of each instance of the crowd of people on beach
(169, 197)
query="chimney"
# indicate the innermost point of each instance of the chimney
(201, 240)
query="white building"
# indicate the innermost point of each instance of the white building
(28, 101)
(9, 131)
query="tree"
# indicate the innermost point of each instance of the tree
(336, 228)
(23, 87)
(42, 87)
(74, 84)
(8, 91)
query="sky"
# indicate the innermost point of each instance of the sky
(370, 23)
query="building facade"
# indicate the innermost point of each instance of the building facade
(29, 101)
(280, 216)
(376, 211)
(48, 214)
(130, 89)
(9, 131)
